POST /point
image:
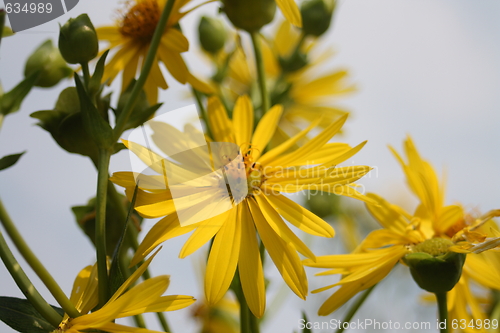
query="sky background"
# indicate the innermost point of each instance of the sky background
(426, 68)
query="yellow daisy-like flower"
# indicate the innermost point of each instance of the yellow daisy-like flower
(291, 11)
(144, 297)
(402, 233)
(257, 204)
(132, 36)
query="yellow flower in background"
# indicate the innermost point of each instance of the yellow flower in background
(142, 298)
(404, 233)
(305, 95)
(257, 204)
(221, 317)
(132, 35)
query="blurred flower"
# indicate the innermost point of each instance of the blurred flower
(221, 317)
(431, 226)
(144, 297)
(132, 36)
(256, 182)
(293, 79)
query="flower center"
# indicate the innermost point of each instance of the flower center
(242, 177)
(433, 246)
(141, 20)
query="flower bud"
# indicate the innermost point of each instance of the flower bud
(250, 15)
(433, 267)
(49, 62)
(78, 41)
(316, 16)
(212, 34)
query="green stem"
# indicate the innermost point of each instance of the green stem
(1, 119)
(24, 283)
(203, 111)
(355, 307)
(248, 322)
(2, 23)
(261, 73)
(86, 74)
(100, 232)
(148, 63)
(35, 264)
(443, 312)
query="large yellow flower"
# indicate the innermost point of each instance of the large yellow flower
(144, 297)
(403, 232)
(257, 204)
(132, 35)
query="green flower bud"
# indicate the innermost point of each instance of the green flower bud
(78, 41)
(433, 267)
(295, 62)
(49, 62)
(250, 15)
(212, 34)
(316, 16)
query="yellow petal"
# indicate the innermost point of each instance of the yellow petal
(290, 11)
(300, 217)
(220, 124)
(283, 255)
(265, 130)
(311, 146)
(174, 41)
(276, 222)
(243, 121)
(203, 233)
(250, 264)
(223, 259)
(167, 228)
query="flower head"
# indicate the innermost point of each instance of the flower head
(245, 198)
(432, 231)
(132, 36)
(144, 297)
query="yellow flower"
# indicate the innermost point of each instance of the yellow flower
(257, 204)
(132, 36)
(403, 232)
(144, 297)
(305, 95)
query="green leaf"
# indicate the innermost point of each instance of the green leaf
(141, 112)
(118, 147)
(96, 127)
(305, 329)
(95, 81)
(11, 101)
(23, 317)
(10, 160)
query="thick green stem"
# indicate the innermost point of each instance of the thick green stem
(148, 63)
(1, 118)
(443, 312)
(355, 307)
(24, 283)
(100, 231)
(35, 264)
(261, 73)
